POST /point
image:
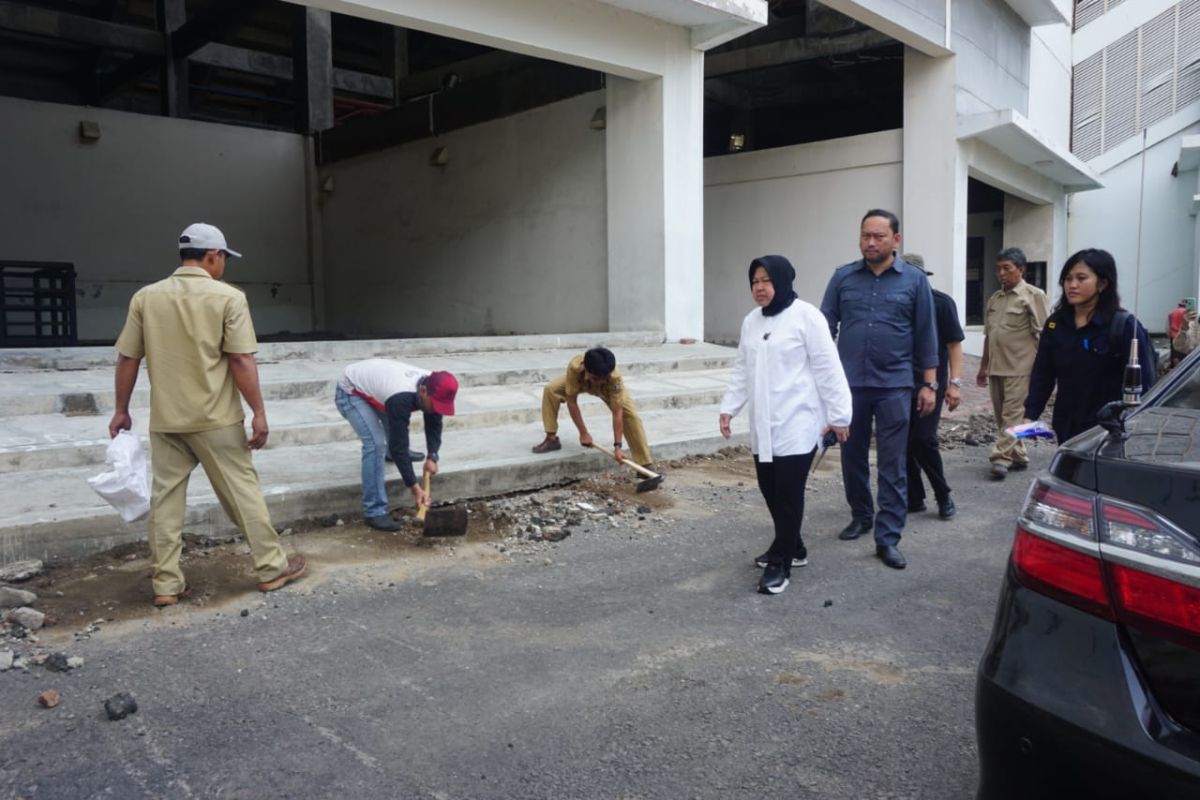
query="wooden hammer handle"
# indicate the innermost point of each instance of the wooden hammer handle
(425, 485)
(636, 466)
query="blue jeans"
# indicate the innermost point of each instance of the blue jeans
(371, 427)
(889, 409)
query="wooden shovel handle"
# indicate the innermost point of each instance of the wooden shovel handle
(424, 485)
(636, 466)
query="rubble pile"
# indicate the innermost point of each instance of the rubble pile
(20, 622)
(534, 523)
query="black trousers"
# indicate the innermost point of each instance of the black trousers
(782, 484)
(923, 455)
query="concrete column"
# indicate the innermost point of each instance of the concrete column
(934, 217)
(173, 75)
(312, 69)
(656, 200)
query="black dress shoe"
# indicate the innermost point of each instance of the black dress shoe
(855, 529)
(890, 554)
(946, 508)
(917, 508)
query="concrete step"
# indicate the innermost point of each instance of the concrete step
(89, 392)
(49, 441)
(101, 357)
(53, 513)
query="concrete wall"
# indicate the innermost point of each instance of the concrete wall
(1109, 219)
(804, 202)
(115, 207)
(1050, 88)
(992, 46)
(509, 237)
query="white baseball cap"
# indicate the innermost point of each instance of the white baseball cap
(202, 236)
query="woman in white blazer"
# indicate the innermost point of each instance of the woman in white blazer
(788, 373)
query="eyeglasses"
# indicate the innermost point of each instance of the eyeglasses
(761, 282)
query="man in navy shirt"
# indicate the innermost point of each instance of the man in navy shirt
(880, 310)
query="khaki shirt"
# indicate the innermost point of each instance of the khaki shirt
(183, 326)
(1012, 323)
(611, 390)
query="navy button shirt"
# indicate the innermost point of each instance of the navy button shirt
(884, 325)
(1087, 367)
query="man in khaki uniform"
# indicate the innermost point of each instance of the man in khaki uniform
(1012, 323)
(198, 340)
(595, 372)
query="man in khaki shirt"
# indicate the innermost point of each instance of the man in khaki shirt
(1012, 323)
(198, 340)
(595, 372)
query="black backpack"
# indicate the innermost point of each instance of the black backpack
(1116, 333)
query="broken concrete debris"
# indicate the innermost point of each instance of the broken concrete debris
(28, 618)
(120, 706)
(12, 597)
(19, 571)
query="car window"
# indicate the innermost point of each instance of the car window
(1185, 394)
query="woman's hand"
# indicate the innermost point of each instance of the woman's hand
(726, 431)
(840, 432)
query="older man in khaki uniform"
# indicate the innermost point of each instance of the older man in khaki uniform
(1012, 324)
(595, 372)
(198, 340)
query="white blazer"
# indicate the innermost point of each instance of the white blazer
(788, 371)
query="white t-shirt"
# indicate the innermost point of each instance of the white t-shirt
(788, 371)
(377, 379)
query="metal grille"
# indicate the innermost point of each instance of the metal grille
(1138, 80)
(37, 304)
(1091, 10)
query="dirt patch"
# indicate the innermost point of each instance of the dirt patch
(114, 586)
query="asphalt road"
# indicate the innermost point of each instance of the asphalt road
(638, 663)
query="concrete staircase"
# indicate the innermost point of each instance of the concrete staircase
(55, 405)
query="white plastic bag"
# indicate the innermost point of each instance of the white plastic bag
(127, 485)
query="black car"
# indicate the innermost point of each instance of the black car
(1090, 685)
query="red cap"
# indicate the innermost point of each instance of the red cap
(442, 386)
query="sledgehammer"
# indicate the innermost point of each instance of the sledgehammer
(448, 521)
(653, 479)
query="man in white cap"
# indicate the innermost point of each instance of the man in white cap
(198, 340)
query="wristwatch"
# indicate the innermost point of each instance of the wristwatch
(930, 385)
(616, 445)
(956, 381)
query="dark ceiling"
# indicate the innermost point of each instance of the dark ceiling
(811, 74)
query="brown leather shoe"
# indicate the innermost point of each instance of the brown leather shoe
(295, 568)
(549, 444)
(164, 600)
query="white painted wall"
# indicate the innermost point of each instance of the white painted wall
(115, 208)
(509, 237)
(1050, 82)
(1108, 219)
(804, 202)
(991, 45)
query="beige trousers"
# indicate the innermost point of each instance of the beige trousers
(1008, 403)
(554, 395)
(230, 470)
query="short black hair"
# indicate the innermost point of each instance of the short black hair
(192, 254)
(1014, 254)
(892, 219)
(599, 361)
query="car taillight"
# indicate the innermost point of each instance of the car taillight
(1111, 559)
(1056, 551)
(1154, 572)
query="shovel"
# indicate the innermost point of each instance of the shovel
(448, 521)
(653, 479)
